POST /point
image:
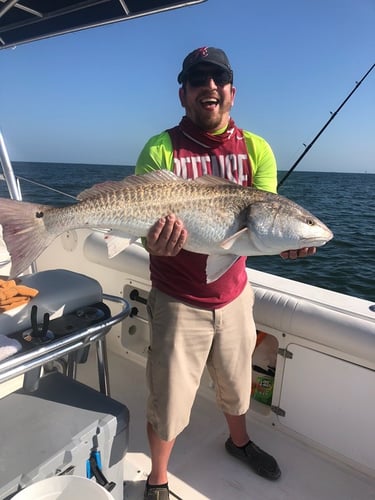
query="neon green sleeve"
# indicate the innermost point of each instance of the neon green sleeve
(263, 162)
(156, 154)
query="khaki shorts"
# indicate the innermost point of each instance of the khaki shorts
(183, 339)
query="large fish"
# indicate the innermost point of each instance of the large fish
(223, 220)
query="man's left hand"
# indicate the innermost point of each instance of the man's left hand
(295, 254)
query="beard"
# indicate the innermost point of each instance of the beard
(210, 120)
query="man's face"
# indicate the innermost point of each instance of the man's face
(208, 96)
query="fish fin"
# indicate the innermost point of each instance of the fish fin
(228, 243)
(213, 180)
(24, 232)
(116, 243)
(153, 177)
(158, 176)
(217, 265)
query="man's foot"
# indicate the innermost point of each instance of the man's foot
(261, 463)
(156, 492)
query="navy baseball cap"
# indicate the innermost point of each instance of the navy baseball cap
(210, 55)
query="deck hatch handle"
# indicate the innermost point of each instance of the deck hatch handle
(279, 411)
(285, 353)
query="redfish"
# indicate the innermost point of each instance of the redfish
(223, 220)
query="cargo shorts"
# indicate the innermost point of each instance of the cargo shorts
(183, 340)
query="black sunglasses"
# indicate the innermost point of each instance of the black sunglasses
(199, 78)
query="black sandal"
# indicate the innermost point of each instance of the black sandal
(156, 492)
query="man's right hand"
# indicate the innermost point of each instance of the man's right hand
(166, 237)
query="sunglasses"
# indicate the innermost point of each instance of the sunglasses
(199, 78)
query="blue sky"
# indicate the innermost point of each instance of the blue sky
(96, 96)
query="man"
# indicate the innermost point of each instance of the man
(193, 323)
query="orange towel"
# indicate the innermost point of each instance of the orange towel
(13, 295)
(7, 289)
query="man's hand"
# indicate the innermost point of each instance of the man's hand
(295, 254)
(166, 237)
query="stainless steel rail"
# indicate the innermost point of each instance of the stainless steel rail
(13, 187)
(23, 362)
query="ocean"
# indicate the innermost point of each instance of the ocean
(343, 201)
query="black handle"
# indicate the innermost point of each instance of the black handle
(36, 331)
(99, 476)
(134, 295)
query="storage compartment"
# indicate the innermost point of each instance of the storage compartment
(263, 373)
(315, 393)
(56, 429)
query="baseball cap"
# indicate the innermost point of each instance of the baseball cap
(210, 55)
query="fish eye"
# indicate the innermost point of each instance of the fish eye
(310, 222)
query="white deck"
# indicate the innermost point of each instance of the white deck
(200, 468)
(327, 390)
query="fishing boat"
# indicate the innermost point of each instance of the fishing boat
(313, 403)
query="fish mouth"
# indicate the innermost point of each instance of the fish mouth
(317, 241)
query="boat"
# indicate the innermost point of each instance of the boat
(313, 404)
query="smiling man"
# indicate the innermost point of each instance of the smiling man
(192, 323)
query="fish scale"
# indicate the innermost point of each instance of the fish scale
(146, 205)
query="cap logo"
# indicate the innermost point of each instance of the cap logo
(201, 52)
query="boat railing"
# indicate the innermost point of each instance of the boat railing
(13, 181)
(6, 165)
(29, 360)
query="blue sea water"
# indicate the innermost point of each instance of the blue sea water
(344, 201)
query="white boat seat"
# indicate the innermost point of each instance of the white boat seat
(60, 292)
(63, 296)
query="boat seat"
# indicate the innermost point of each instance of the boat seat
(67, 299)
(60, 292)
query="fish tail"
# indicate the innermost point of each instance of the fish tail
(24, 233)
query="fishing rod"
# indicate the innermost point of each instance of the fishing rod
(333, 115)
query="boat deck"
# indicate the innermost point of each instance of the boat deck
(201, 469)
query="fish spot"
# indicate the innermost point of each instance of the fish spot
(39, 215)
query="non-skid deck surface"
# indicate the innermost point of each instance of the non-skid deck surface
(201, 469)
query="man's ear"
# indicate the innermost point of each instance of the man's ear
(181, 93)
(233, 94)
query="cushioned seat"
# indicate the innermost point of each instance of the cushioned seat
(60, 292)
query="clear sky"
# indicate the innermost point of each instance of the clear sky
(96, 96)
